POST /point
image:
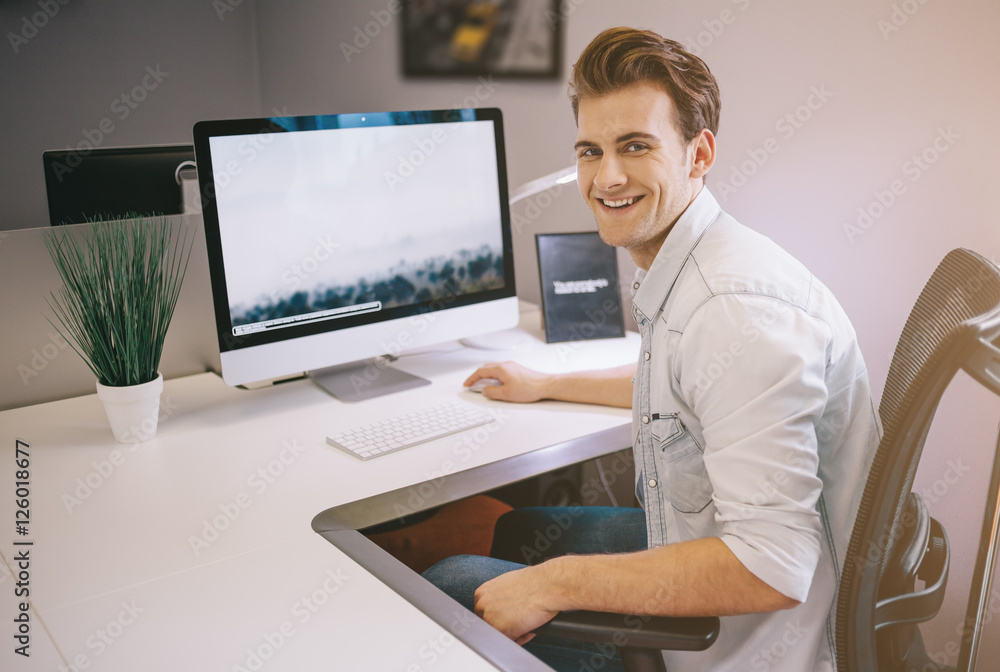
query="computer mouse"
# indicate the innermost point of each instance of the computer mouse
(484, 382)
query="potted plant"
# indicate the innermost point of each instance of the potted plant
(120, 286)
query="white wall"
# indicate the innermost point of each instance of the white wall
(891, 94)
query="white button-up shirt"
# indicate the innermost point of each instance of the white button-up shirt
(754, 423)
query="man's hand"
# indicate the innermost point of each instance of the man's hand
(520, 384)
(609, 387)
(512, 603)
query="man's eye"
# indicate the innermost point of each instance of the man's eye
(589, 152)
(635, 147)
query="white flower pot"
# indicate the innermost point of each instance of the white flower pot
(134, 410)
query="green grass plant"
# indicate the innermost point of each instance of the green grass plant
(120, 287)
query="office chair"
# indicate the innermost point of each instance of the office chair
(894, 540)
(953, 326)
(639, 639)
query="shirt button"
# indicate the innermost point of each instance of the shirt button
(646, 356)
(635, 285)
(645, 419)
(652, 482)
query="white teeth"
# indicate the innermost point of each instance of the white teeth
(618, 204)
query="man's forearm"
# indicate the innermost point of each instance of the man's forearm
(693, 578)
(609, 387)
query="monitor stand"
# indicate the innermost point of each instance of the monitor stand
(508, 339)
(366, 379)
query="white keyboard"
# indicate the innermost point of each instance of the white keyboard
(400, 432)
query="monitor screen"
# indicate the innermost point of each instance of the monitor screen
(114, 182)
(341, 237)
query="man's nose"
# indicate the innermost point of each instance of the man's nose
(611, 174)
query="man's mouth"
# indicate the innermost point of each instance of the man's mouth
(617, 204)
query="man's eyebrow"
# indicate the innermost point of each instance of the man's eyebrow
(634, 135)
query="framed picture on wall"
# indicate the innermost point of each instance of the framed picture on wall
(477, 38)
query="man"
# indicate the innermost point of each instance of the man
(754, 426)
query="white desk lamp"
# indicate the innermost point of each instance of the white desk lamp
(513, 339)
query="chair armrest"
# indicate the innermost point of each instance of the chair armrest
(641, 632)
(917, 606)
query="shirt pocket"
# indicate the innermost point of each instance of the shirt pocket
(681, 463)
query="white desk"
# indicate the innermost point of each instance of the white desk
(207, 527)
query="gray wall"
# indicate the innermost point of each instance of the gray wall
(892, 81)
(72, 72)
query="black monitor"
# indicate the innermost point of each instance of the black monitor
(336, 238)
(113, 182)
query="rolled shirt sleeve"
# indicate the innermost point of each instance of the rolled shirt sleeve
(752, 370)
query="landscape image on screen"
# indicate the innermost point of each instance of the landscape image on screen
(393, 215)
(436, 279)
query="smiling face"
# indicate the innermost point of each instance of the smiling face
(635, 170)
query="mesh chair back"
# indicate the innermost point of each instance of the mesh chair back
(951, 327)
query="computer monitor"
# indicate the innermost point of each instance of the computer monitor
(339, 238)
(114, 182)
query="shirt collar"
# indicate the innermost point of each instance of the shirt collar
(650, 288)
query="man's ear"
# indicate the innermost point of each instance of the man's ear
(703, 150)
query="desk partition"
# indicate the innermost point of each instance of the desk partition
(39, 366)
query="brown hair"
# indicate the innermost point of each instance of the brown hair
(622, 57)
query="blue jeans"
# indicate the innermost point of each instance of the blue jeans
(528, 536)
